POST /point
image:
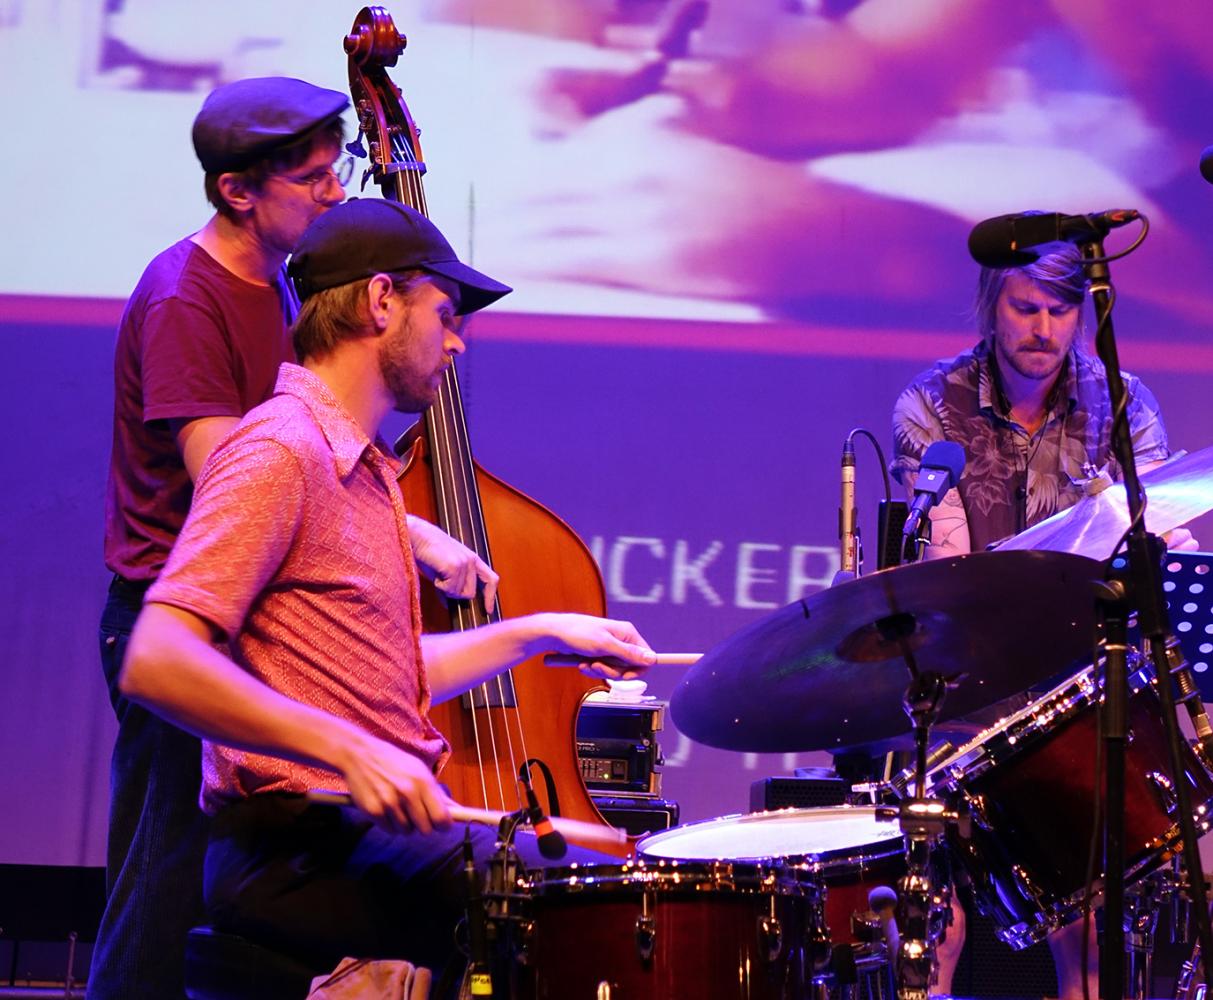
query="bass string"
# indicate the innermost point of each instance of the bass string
(438, 446)
(480, 533)
(455, 479)
(461, 515)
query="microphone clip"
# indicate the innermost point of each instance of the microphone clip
(550, 841)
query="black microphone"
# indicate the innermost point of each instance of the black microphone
(1006, 240)
(479, 971)
(938, 472)
(551, 842)
(1206, 164)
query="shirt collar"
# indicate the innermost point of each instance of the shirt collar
(340, 430)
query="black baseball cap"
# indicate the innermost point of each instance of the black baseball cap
(367, 236)
(244, 121)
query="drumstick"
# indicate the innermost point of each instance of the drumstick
(590, 833)
(575, 829)
(663, 660)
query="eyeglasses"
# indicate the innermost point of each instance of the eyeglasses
(318, 180)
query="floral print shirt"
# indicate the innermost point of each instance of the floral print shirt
(1013, 479)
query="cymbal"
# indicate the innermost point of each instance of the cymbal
(830, 670)
(1176, 492)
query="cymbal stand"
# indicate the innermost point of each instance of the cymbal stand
(922, 906)
(1140, 587)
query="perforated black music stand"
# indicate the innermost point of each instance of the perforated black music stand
(1188, 587)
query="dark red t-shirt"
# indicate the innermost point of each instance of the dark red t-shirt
(194, 341)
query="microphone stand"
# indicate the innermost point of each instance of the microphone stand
(1140, 587)
(493, 926)
(914, 545)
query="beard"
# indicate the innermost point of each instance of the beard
(412, 383)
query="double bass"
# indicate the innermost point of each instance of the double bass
(525, 717)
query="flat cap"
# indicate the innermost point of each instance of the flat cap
(243, 121)
(368, 236)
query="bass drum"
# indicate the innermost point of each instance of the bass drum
(668, 930)
(1030, 781)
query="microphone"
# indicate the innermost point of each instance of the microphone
(848, 534)
(882, 902)
(479, 971)
(1206, 164)
(939, 472)
(551, 842)
(1006, 240)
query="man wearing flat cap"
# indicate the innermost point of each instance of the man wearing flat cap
(199, 345)
(296, 552)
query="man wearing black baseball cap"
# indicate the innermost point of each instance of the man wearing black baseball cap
(369, 237)
(198, 346)
(295, 552)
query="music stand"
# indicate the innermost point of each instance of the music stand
(1188, 586)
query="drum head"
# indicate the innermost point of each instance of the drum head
(817, 834)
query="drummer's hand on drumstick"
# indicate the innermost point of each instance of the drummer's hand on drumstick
(597, 835)
(396, 789)
(1180, 540)
(601, 647)
(659, 660)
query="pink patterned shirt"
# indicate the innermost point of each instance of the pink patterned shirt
(296, 546)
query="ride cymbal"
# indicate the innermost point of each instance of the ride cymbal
(830, 670)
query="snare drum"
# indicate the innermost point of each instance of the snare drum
(669, 930)
(846, 850)
(1030, 782)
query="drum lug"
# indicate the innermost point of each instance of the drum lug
(1166, 791)
(770, 936)
(770, 933)
(526, 939)
(979, 814)
(646, 937)
(646, 928)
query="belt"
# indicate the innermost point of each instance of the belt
(133, 589)
(121, 585)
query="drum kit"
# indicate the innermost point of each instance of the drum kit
(851, 900)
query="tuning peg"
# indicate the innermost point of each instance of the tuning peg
(356, 148)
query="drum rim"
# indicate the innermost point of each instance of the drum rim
(668, 876)
(1008, 737)
(1056, 912)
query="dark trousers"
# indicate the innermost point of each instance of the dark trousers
(320, 882)
(157, 836)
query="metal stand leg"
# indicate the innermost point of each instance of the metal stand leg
(922, 907)
(1141, 922)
